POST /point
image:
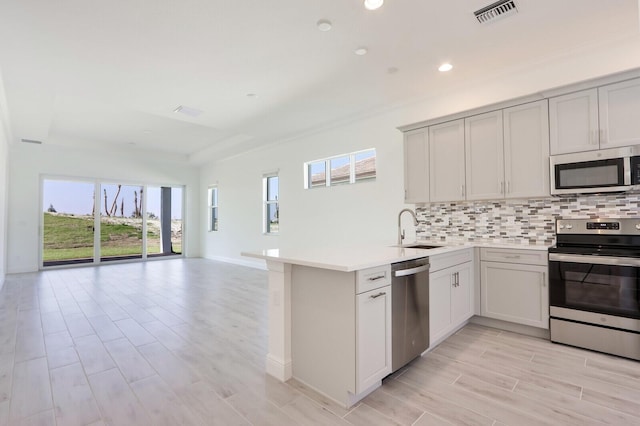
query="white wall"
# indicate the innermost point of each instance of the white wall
(364, 213)
(4, 176)
(30, 162)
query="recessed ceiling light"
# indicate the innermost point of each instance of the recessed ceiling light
(445, 67)
(324, 25)
(361, 51)
(191, 112)
(373, 4)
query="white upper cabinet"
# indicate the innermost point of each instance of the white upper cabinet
(619, 106)
(500, 154)
(573, 120)
(446, 161)
(526, 150)
(604, 117)
(484, 156)
(416, 163)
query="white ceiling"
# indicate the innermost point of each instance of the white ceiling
(103, 74)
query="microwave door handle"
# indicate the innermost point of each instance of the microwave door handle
(627, 170)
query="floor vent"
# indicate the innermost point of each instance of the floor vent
(499, 9)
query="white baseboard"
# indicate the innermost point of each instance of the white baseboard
(509, 326)
(275, 367)
(22, 270)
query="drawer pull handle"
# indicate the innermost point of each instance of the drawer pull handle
(513, 257)
(375, 296)
(378, 277)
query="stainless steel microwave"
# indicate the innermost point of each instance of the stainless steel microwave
(605, 170)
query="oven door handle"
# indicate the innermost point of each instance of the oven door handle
(594, 260)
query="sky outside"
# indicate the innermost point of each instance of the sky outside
(77, 198)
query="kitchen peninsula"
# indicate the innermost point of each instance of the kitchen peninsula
(329, 316)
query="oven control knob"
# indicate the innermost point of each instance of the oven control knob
(638, 226)
(561, 226)
(569, 226)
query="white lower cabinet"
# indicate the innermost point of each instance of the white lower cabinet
(341, 330)
(450, 293)
(514, 286)
(373, 337)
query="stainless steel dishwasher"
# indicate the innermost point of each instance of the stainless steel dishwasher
(409, 311)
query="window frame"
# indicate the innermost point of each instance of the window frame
(266, 226)
(327, 169)
(213, 226)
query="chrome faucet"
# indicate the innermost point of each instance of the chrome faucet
(400, 230)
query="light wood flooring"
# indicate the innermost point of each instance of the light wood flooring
(183, 341)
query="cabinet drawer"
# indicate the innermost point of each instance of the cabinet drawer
(529, 257)
(372, 278)
(447, 260)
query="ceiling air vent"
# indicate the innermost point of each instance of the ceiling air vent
(499, 9)
(33, 141)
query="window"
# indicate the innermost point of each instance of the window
(271, 211)
(317, 174)
(340, 169)
(365, 165)
(213, 208)
(89, 221)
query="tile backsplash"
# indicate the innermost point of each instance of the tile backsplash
(516, 221)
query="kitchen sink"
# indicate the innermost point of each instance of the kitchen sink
(421, 246)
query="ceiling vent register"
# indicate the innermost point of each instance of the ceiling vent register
(499, 9)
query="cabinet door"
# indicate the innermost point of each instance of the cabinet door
(526, 150)
(416, 163)
(484, 156)
(573, 122)
(515, 292)
(446, 161)
(461, 294)
(619, 107)
(440, 284)
(373, 336)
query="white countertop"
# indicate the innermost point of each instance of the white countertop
(345, 259)
(348, 259)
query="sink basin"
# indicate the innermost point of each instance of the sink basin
(421, 246)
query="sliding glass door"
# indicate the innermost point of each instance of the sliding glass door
(121, 221)
(82, 227)
(68, 222)
(164, 221)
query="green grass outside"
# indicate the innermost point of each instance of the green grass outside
(68, 237)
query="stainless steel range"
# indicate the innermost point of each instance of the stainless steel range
(594, 285)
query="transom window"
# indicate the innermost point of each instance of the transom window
(340, 169)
